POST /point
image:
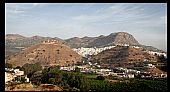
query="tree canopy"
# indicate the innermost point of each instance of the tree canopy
(29, 69)
(8, 65)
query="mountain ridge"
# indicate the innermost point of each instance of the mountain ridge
(15, 42)
(111, 39)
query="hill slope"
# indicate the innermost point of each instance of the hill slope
(46, 54)
(15, 43)
(124, 54)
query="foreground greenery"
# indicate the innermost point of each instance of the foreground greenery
(29, 69)
(76, 81)
(8, 65)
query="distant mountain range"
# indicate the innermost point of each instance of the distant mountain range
(101, 41)
(52, 51)
(15, 42)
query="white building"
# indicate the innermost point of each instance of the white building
(158, 53)
(11, 74)
(128, 75)
(8, 77)
(150, 66)
(17, 72)
(27, 79)
(71, 68)
(91, 51)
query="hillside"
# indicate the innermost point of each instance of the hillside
(46, 54)
(15, 43)
(112, 39)
(124, 54)
(151, 48)
(14, 37)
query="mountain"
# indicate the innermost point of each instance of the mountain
(124, 54)
(112, 39)
(46, 53)
(119, 38)
(151, 48)
(15, 43)
(14, 37)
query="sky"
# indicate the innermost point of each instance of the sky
(147, 22)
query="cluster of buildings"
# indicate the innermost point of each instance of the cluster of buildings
(16, 75)
(102, 72)
(119, 72)
(150, 66)
(157, 53)
(91, 51)
(50, 41)
(94, 51)
(153, 75)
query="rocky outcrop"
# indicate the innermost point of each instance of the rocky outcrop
(101, 41)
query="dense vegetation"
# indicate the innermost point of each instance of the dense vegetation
(76, 81)
(7, 65)
(68, 80)
(29, 69)
(162, 59)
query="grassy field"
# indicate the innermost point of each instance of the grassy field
(91, 76)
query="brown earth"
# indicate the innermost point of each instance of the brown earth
(30, 87)
(111, 39)
(46, 54)
(155, 70)
(124, 54)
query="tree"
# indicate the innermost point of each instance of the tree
(83, 83)
(54, 68)
(45, 78)
(161, 58)
(77, 69)
(23, 80)
(16, 79)
(58, 78)
(51, 80)
(58, 67)
(100, 78)
(8, 65)
(29, 69)
(36, 77)
(20, 68)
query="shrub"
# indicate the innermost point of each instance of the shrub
(8, 65)
(100, 78)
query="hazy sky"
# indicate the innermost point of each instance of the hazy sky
(146, 22)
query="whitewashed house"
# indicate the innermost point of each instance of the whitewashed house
(8, 77)
(129, 75)
(12, 74)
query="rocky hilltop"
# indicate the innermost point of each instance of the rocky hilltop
(47, 53)
(112, 39)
